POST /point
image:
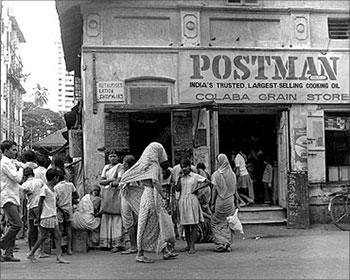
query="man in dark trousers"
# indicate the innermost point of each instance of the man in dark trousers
(11, 175)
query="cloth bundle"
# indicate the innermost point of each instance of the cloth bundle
(234, 223)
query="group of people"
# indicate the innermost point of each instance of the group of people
(39, 190)
(146, 202)
(255, 177)
(160, 204)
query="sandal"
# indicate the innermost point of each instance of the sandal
(129, 251)
(32, 258)
(60, 260)
(43, 256)
(143, 259)
(170, 256)
(117, 249)
(220, 249)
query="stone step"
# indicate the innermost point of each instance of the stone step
(262, 215)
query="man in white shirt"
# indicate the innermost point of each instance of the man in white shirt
(11, 176)
(244, 182)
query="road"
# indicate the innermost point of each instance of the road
(268, 252)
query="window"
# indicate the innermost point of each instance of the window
(151, 91)
(148, 95)
(247, 2)
(337, 133)
(338, 28)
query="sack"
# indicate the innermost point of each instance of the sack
(235, 224)
(166, 226)
(111, 201)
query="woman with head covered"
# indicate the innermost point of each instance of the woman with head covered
(222, 203)
(147, 200)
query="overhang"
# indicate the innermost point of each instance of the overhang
(129, 108)
(71, 24)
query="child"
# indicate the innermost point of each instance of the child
(267, 181)
(190, 209)
(32, 188)
(66, 192)
(48, 216)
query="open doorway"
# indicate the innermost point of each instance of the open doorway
(256, 135)
(147, 127)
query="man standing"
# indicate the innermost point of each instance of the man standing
(11, 175)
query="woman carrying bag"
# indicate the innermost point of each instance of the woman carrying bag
(111, 231)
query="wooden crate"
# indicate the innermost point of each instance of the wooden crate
(80, 240)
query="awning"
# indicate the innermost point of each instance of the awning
(129, 108)
(71, 23)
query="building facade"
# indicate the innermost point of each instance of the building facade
(65, 83)
(206, 77)
(11, 78)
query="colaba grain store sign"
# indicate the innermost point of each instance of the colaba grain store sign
(263, 77)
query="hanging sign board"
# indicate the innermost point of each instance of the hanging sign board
(110, 91)
(235, 77)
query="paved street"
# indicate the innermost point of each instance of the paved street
(268, 252)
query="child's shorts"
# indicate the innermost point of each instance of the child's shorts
(49, 222)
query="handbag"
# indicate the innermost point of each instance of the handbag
(111, 201)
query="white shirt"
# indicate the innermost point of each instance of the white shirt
(64, 191)
(240, 163)
(189, 183)
(40, 173)
(33, 185)
(49, 205)
(10, 179)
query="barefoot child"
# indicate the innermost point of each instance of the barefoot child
(190, 209)
(32, 187)
(48, 216)
(66, 193)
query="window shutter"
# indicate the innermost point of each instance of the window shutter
(338, 28)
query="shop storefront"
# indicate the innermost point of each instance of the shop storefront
(170, 73)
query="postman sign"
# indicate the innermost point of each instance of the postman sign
(264, 77)
(112, 91)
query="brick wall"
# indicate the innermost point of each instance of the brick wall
(117, 131)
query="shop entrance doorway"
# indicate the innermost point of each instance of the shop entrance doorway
(257, 137)
(147, 127)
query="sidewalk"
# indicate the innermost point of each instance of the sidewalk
(267, 252)
(263, 231)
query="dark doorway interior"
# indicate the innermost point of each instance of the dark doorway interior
(248, 131)
(256, 136)
(149, 127)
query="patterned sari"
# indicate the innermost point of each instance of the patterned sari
(224, 183)
(154, 230)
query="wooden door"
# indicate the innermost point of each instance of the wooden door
(316, 158)
(283, 157)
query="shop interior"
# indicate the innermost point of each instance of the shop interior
(256, 135)
(147, 127)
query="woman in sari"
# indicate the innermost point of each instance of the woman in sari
(222, 204)
(111, 231)
(86, 217)
(154, 231)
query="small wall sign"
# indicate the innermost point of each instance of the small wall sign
(110, 91)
